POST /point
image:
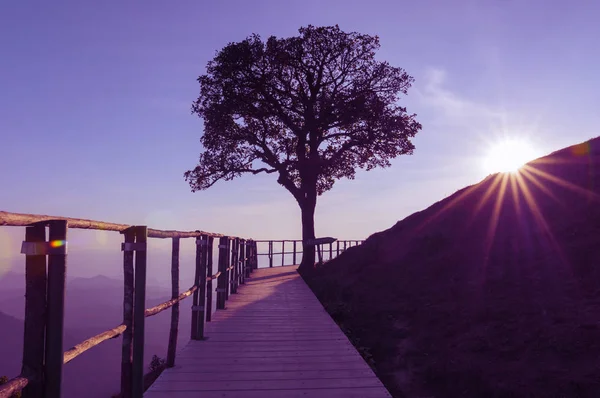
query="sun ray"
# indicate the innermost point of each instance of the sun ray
(539, 218)
(497, 179)
(527, 174)
(514, 189)
(566, 184)
(491, 233)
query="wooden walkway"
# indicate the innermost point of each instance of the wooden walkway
(274, 339)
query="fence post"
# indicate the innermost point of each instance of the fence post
(338, 248)
(227, 270)
(209, 285)
(35, 314)
(282, 253)
(222, 280)
(243, 262)
(235, 272)
(175, 309)
(247, 262)
(126, 348)
(320, 253)
(330, 250)
(139, 309)
(200, 293)
(294, 259)
(270, 254)
(255, 256)
(57, 267)
(345, 242)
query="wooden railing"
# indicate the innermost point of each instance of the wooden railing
(334, 249)
(45, 272)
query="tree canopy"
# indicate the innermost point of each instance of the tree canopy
(312, 109)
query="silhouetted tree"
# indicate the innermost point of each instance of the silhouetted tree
(311, 109)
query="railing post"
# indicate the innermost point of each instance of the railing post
(282, 253)
(294, 259)
(126, 350)
(338, 248)
(227, 270)
(200, 293)
(222, 280)
(246, 258)
(320, 254)
(57, 267)
(175, 309)
(242, 261)
(345, 242)
(139, 308)
(270, 254)
(330, 250)
(254, 255)
(35, 314)
(209, 285)
(235, 272)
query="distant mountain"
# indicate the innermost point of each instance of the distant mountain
(92, 306)
(95, 282)
(492, 292)
(11, 345)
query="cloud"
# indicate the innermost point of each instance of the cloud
(451, 108)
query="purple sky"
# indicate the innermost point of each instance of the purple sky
(95, 106)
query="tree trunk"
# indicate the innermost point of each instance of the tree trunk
(308, 232)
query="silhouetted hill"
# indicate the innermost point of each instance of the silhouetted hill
(492, 292)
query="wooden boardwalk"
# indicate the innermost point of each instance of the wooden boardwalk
(274, 339)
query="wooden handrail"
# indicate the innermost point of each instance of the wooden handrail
(235, 254)
(215, 276)
(22, 220)
(85, 345)
(13, 386)
(168, 304)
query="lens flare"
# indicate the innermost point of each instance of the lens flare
(58, 243)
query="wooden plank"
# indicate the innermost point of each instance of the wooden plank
(244, 385)
(291, 353)
(365, 392)
(274, 340)
(276, 375)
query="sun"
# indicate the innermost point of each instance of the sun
(508, 156)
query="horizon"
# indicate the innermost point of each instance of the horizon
(115, 132)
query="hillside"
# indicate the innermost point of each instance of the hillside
(492, 292)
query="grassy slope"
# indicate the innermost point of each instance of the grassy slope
(442, 309)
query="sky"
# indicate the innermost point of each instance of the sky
(95, 100)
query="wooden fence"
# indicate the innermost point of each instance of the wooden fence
(334, 249)
(45, 274)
